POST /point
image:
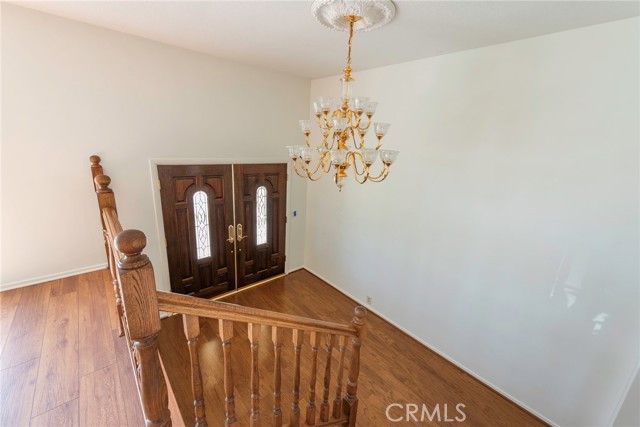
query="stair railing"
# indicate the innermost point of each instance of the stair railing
(138, 304)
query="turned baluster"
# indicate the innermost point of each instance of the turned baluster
(139, 299)
(337, 402)
(107, 200)
(254, 338)
(276, 336)
(311, 405)
(192, 331)
(324, 407)
(295, 408)
(226, 333)
(350, 402)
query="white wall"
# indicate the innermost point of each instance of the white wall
(629, 415)
(506, 236)
(71, 90)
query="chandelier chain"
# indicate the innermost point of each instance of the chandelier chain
(351, 22)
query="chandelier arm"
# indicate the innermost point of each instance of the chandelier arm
(365, 177)
(320, 163)
(326, 166)
(368, 123)
(357, 156)
(333, 141)
(383, 174)
(379, 144)
(317, 178)
(362, 139)
(295, 168)
(355, 141)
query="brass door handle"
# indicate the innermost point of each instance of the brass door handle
(231, 234)
(239, 235)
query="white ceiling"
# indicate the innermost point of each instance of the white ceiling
(283, 35)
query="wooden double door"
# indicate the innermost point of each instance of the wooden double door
(224, 225)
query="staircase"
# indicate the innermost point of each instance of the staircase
(138, 305)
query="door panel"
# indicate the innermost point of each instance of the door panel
(197, 208)
(258, 260)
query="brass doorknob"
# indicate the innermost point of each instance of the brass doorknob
(231, 234)
(239, 235)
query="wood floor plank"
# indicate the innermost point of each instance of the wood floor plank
(65, 415)
(8, 304)
(101, 400)
(133, 410)
(58, 372)
(17, 385)
(96, 340)
(65, 286)
(24, 341)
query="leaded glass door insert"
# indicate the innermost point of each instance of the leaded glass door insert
(201, 224)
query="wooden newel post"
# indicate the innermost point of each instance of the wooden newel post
(350, 401)
(96, 170)
(143, 319)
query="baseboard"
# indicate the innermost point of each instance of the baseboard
(49, 277)
(294, 269)
(437, 351)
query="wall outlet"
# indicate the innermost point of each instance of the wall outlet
(369, 300)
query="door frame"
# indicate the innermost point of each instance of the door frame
(161, 268)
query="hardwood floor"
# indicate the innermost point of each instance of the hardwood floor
(63, 364)
(394, 367)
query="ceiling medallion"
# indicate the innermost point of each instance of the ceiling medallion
(344, 122)
(373, 13)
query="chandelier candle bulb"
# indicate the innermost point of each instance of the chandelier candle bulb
(345, 121)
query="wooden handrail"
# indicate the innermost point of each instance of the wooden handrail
(184, 304)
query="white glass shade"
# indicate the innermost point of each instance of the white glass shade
(305, 126)
(307, 152)
(317, 108)
(381, 129)
(325, 103)
(369, 155)
(294, 151)
(340, 124)
(388, 156)
(360, 103)
(370, 108)
(338, 156)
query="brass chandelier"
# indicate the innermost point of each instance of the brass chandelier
(343, 129)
